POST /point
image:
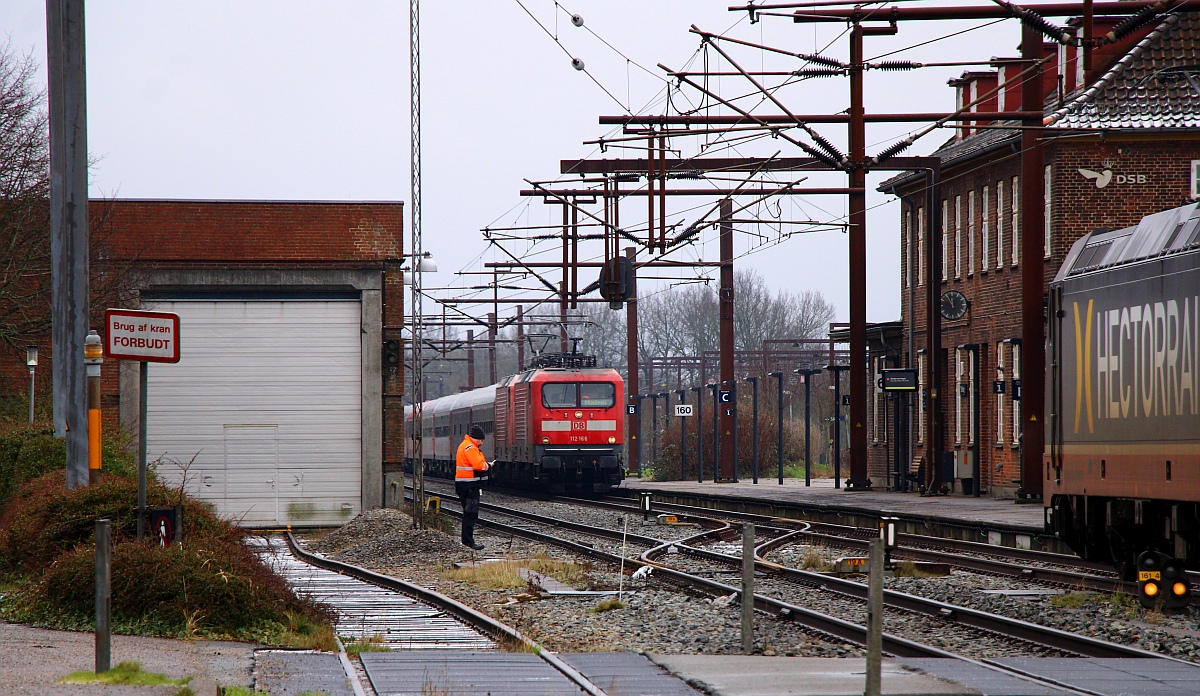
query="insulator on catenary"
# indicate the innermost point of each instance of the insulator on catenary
(826, 146)
(819, 72)
(1130, 25)
(1035, 20)
(894, 149)
(895, 65)
(822, 60)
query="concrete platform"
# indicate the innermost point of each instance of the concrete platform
(753, 675)
(1002, 515)
(299, 672)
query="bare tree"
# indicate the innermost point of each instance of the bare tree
(25, 216)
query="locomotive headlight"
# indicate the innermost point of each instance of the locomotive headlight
(1151, 589)
(1179, 589)
(579, 414)
(612, 440)
(545, 440)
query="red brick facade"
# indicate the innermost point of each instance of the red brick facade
(148, 237)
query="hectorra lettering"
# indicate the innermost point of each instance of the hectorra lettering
(1145, 360)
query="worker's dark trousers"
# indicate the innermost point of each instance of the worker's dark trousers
(468, 492)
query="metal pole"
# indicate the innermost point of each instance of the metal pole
(682, 436)
(67, 82)
(857, 203)
(417, 251)
(491, 347)
(31, 386)
(520, 337)
(779, 424)
(92, 360)
(470, 359)
(103, 599)
(727, 464)
(716, 432)
(143, 429)
(837, 427)
(748, 587)
(654, 428)
(699, 433)
(1033, 359)
(754, 446)
(734, 409)
(631, 370)
(807, 429)
(875, 618)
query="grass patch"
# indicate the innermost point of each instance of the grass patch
(607, 605)
(814, 561)
(505, 574)
(356, 646)
(1072, 600)
(124, 673)
(240, 691)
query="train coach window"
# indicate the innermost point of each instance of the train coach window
(597, 395)
(559, 395)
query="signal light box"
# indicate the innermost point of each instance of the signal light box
(143, 336)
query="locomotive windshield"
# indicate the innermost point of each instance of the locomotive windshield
(579, 395)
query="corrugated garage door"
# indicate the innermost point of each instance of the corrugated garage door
(262, 414)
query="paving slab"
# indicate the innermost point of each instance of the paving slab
(627, 674)
(991, 511)
(296, 672)
(754, 675)
(1114, 676)
(988, 682)
(463, 673)
(34, 659)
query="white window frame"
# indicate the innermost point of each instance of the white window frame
(1016, 405)
(1000, 397)
(945, 240)
(957, 237)
(1195, 178)
(921, 398)
(1000, 224)
(906, 238)
(1048, 181)
(972, 362)
(984, 202)
(971, 232)
(920, 246)
(958, 411)
(1015, 210)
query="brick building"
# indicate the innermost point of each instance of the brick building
(279, 407)
(1120, 143)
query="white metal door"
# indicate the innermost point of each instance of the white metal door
(262, 416)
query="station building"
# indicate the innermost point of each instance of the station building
(1120, 143)
(280, 411)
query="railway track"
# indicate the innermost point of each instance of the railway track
(1053, 641)
(405, 615)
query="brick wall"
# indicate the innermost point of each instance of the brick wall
(1148, 174)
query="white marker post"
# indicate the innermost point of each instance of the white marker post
(145, 337)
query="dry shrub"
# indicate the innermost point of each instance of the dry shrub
(211, 586)
(505, 575)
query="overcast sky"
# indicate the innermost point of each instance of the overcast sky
(310, 101)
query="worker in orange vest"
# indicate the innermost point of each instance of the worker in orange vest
(469, 466)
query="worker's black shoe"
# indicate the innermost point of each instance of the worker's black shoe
(473, 544)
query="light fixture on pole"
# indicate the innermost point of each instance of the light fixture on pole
(31, 359)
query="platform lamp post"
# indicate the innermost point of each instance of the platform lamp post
(422, 263)
(806, 375)
(837, 371)
(699, 433)
(31, 361)
(779, 421)
(754, 419)
(682, 437)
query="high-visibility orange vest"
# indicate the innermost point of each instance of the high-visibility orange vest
(469, 462)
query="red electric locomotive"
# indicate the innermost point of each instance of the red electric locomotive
(557, 427)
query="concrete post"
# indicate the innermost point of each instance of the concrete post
(748, 588)
(875, 618)
(103, 599)
(143, 389)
